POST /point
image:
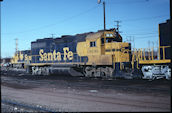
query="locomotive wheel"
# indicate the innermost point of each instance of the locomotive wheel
(89, 71)
(45, 71)
(99, 72)
(103, 74)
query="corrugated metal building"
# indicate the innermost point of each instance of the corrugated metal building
(165, 38)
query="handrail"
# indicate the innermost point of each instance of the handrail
(140, 54)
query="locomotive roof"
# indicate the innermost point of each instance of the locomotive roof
(94, 36)
(78, 37)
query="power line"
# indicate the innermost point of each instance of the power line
(138, 19)
(142, 34)
(146, 37)
(128, 2)
(49, 25)
(144, 18)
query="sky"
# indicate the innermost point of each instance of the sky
(28, 20)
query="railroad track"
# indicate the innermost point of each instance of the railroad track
(25, 83)
(46, 88)
(31, 108)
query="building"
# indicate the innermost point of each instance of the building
(5, 60)
(165, 38)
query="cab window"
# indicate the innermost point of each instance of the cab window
(109, 35)
(102, 41)
(93, 44)
(108, 40)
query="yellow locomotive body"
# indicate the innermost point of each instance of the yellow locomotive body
(102, 48)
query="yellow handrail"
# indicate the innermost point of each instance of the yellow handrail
(140, 55)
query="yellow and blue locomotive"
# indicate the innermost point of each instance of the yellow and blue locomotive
(93, 54)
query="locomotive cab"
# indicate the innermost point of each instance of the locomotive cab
(104, 48)
(109, 37)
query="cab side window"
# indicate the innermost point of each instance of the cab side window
(109, 35)
(93, 44)
(102, 41)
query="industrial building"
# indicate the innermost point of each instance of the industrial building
(165, 38)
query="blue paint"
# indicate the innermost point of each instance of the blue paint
(50, 44)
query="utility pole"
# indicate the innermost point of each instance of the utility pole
(104, 15)
(157, 44)
(117, 25)
(133, 42)
(16, 45)
(128, 39)
(149, 44)
(52, 35)
(153, 44)
(117, 28)
(99, 1)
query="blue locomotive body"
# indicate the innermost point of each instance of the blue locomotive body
(58, 50)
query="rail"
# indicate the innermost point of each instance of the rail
(27, 106)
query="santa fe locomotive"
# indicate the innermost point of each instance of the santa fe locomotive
(92, 54)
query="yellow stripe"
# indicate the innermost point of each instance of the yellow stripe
(155, 61)
(42, 64)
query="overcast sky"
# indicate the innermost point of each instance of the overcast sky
(29, 20)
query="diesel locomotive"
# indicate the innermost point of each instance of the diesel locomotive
(92, 54)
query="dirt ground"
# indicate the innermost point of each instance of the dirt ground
(80, 94)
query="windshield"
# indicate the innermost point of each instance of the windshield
(110, 40)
